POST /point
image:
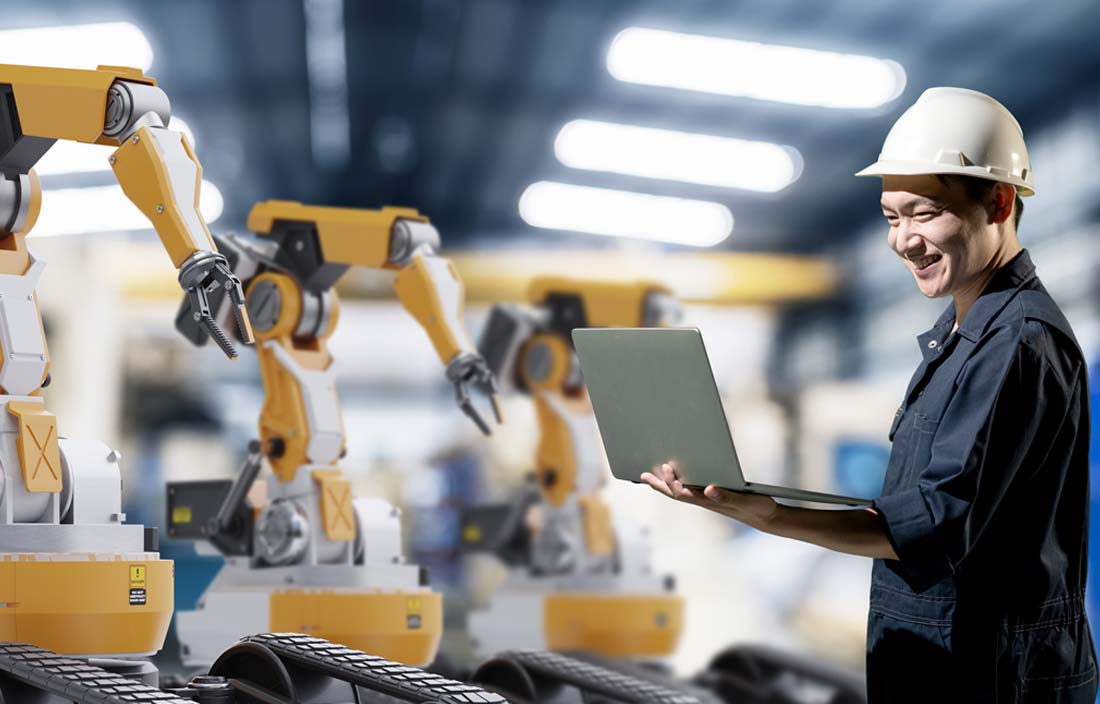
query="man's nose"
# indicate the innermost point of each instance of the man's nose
(908, 238)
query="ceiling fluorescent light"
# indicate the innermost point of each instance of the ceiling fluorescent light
(66, 157)
(783, 74)
(77, 211)
(601, 211)
(677, 156)
(77, 46)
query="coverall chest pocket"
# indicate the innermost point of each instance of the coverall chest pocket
(912, 434)
(928, 407)
(901, 456)
(924, 435)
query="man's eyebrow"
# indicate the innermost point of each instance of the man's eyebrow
(915, 201)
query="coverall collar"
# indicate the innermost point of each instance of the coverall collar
(1000, 290)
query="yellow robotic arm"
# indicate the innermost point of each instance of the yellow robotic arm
(532, 349)
(431, 290)
(586, 578)
(427, 285)
(155, 166)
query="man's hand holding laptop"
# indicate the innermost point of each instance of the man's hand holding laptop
(856, 532)
(752, 509)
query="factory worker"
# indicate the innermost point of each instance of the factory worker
(979, 538)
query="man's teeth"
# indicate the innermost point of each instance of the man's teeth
(927, 261)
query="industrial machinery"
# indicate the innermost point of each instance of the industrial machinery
(580, 581)
(83, 595)
(311, 557)
(270, 668)
(754, 674)
(537, 677)
(61, 519)
(580, 578)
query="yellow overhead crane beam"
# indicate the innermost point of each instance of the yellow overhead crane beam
(729, 278)
(725, 278)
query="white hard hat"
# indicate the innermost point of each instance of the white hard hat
(956, 131)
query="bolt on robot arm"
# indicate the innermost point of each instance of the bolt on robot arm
(155, 166)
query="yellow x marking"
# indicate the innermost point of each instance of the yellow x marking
(336, 505)
(42, 452)
(340, 495)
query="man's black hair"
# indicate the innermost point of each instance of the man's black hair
(979, 188)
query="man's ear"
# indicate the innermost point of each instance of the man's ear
(1002, 198)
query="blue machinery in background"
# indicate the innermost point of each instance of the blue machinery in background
(859, 466)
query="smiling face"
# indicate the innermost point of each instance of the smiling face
(945, 238)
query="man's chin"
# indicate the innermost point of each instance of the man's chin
(931, 289)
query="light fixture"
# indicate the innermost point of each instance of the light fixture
(77, 46)
(677, 156)
(784, 74)
(104, 209)
(602, 211)
(66, 157)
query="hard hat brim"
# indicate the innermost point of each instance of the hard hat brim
(887, 167)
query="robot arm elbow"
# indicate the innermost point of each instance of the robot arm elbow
(409, 238)
(131, 106)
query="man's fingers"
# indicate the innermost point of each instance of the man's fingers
(727, 498)
(715, 494)
(676, 491)
(668, 474)
(678, 487)
(657, 484)
(672, 476)
(728, 501)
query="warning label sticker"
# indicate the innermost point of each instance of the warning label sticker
(137, 585)
(181, 514)
(412, 613)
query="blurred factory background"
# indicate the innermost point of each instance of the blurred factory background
(706, 145)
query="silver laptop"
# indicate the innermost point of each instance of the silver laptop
(656, 400)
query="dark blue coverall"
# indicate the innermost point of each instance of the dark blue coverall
(986, 505)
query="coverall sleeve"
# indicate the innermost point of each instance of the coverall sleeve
(992, 434)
